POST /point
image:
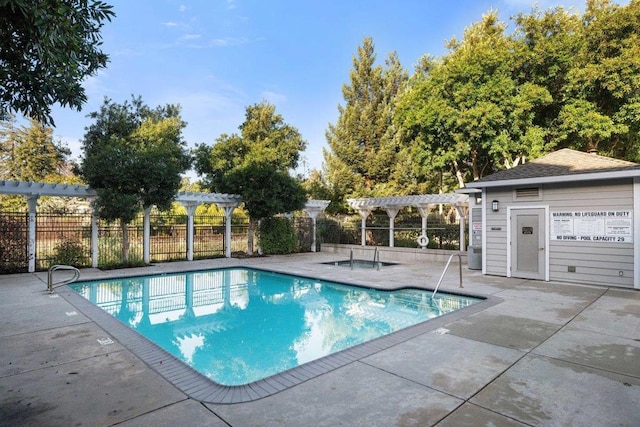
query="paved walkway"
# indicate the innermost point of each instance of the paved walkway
(547, 354)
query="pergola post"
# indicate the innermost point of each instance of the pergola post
(228, 211)
(364, 213)
(146, 233)
(461, 220)
(392, 212)
(94, 238)
(32, 202)
(313, 208)
(191, 210)
(424, 213)
(227, 202)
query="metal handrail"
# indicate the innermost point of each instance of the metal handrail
(351, 259)
(51, 285)
(445, 270)
(376, 258)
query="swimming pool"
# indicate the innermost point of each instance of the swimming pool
(239, 326)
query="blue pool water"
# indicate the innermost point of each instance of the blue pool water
(240, 325)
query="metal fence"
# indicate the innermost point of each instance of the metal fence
(14, 236)
(66, 238)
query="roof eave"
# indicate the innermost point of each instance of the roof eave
(592, 176)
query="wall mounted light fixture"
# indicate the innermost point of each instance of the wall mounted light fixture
(495, 206)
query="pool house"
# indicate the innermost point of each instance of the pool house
(569, 216)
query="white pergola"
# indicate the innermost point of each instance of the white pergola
(424, 203)
(228, 202)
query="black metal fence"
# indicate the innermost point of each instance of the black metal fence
(14, 236)
(66, 238)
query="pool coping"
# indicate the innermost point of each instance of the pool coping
(199, 387)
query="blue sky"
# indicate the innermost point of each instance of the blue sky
(216, 57)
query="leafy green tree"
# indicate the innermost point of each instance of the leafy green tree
(547, 43)
(363, 143)
(265, 190)
(255, 164)
(468, 112)
(47, 48)
(133, 158)
(602, 108)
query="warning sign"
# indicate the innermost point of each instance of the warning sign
(592, 226)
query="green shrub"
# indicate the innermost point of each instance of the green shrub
(69, 252)
(277, 236)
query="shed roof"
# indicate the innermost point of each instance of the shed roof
(564, 165)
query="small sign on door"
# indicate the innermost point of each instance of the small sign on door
(527, 230)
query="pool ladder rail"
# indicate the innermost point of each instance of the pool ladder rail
(376, 259)
(52, 269)
(458, 254)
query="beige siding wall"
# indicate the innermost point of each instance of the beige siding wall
(595, 263)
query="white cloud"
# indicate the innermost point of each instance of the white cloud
(274, 97)
(190, 37)
(219, 42)
(182, 8)
(231, 4)
(94, 86)
(170, 24)
(233, 41)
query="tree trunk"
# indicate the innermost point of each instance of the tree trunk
(512, 164)
(458, 174)
(125, 241)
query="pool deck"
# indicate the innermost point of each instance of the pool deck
(546, 353)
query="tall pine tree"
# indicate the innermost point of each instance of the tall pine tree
(363, 144)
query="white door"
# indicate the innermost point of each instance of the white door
(528, 243)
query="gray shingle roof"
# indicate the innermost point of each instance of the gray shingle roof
(565, 162)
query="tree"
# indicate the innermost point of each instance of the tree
(602, 92)
(363, 143)
(29, 153)
(256, 164)
(468, 112)
(9, 138)
(265, 190)
(546, 46)
(133, 158)
(47, 48)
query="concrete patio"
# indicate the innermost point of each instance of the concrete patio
(551, 354)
